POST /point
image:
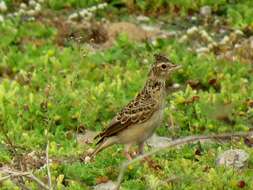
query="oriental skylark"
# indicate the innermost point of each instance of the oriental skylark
(137, 121)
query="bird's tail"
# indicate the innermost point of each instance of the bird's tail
(102, 144)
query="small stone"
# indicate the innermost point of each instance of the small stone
(202, 50)
(206, 36)
(157, 142)
(109, 185)
(239, 32)
(145, 61)
(222, 31)
(183, 39)
(32, 3)
(154, 42)
(73, 16)
(89, 15)
(102, 5)
(87, 159)
(3, 7)
(93, 8)
(192, 30)
(83, 13)
(1, 18)
(23, 6)
(149, 28)
(206, 11)
(225, 40)
(90, 150)
(176, 85)
(172, 33)
(142, 18)
(193, 18)
(15, 14)
(237, 46)
(233, 158)
(37, 7)
(31, 12)
(216, 22)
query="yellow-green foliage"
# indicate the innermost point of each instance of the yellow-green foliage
(50, 91)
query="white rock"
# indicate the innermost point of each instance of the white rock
(172, 33)
(23, 6)
(233, 158)
(157, 142)
(206, 11)
(73, 16)
(206, 36)
(193, 18)
(214, 44)
(102, 5)
(83, 12)
(32, 3)
(145, 61)
(37, 7)
(183, 39)
(210, 46)
(142, 18)
(93, 8)
(239, 32)
(31, 12)
(3, 6)
(89, 15)
(225, 40)
(176, 85)
(154, 42)
(109, 185)
(237, 46)
(1, 18)
(192, 30)
(202, 50)
(87, 159)
(149, 28)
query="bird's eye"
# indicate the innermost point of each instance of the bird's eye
(164, 66)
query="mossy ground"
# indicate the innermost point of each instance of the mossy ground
(49, 92)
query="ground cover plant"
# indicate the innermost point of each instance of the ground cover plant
(66, 67)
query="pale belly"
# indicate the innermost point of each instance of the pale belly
(140, 132)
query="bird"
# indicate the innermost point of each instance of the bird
(137, 121)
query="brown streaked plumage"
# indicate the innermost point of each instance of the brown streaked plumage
(139, 118)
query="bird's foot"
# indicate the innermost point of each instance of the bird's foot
(128, 155)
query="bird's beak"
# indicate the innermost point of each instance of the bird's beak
(176, 67)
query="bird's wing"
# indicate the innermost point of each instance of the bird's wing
(136, 112)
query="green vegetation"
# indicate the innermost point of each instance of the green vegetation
(50, 92)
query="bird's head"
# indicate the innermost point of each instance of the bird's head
(162, 67)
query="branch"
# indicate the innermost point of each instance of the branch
(29, 175)
(180, 141)
(48, 167)
(13, 175)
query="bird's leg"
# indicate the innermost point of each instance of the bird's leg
(141, 148)
(126, 152)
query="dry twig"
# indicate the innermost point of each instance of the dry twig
(48, 167)
(29, 175)
(174, 143)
